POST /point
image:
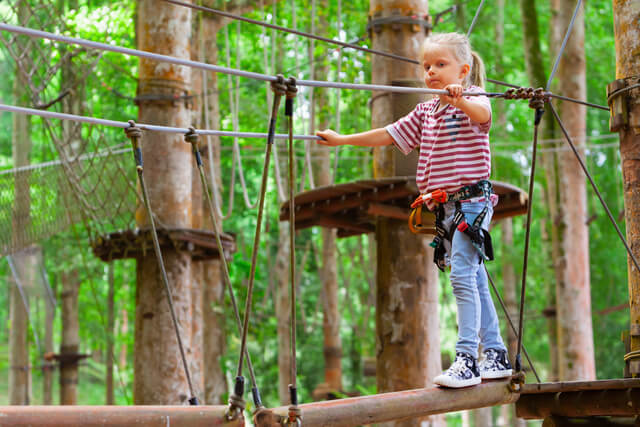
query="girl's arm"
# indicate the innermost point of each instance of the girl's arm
(478, 113)
(373, 138)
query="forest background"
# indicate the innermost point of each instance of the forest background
(111, 88)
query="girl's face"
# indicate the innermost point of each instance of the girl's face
(442, 68)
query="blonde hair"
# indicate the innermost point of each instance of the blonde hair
(461, 49)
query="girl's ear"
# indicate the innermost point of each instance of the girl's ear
(464, 70)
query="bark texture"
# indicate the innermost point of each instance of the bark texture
(626, 15)
(576, 360)
(159, 377)
(407, 327)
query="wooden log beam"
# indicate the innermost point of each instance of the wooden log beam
(584, 403)
(117, 416)
(396, 405)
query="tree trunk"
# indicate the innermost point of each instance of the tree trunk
(19, 372)
(322, 167)
(159, 377)
(575, 335)
(407, 329)
(625, 16)
(110, 336)
(214, 338)
(283, 312)
(482, 417)
(537, 78)
(70, 339)
(48, 367)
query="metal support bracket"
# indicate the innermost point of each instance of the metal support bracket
(620, 109)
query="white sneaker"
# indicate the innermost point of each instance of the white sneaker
(463, 372)
(495, 364)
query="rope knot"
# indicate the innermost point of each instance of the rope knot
(192, 137)
(279, 87)
(133, 131)
(292, 89)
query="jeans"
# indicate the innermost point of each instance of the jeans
(477, 318)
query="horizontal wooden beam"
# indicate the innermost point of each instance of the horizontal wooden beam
(584, 403)
(117, 416)
(398, 405)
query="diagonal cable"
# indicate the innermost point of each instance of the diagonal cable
(564, 44)
(475, 18)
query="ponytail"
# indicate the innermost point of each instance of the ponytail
(477, 74)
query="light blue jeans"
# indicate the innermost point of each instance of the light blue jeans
(477, 318)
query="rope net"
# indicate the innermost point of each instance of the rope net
(92, 179)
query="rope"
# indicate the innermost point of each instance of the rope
(538, 117)
(336, 150)
(279, 90)
(595, 187)
(284, 29)
(142, 126)
(475, 18)
(192, 138)
(294, 411)
(134, 133)
(508, 316)
(564, 44)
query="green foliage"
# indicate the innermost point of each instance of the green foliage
(109, 93)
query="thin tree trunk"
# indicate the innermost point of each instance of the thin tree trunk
(322, 169)
(48, 367)
(575, 334)
(124, 331)
(110, 333)
(482, 417)
(283, 312)
(19, 372)
(70, 341)
(214, 339)
(159, 375)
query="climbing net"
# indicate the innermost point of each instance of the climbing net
(539, 99)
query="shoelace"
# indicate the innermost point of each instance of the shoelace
(458, 367)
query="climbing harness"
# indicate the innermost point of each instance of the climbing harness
(134, 133)
(480, 238)
(193, 138)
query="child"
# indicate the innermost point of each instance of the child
(452, 133)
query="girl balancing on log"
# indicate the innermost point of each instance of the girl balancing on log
(452, 133)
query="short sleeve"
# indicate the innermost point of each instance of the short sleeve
(407, 131)
(484, 101)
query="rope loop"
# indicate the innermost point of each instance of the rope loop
(292, 89)
(527, 93)
(133, 131)
(279, 87)
(192, 137)
(295, 416)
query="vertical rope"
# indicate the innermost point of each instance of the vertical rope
(25, 301)
(279, 90)
(192, 138)
(134, 133)
(564, 44)
(336, 150)
(538, 117)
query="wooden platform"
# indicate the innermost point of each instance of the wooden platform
(615, 397)
(352, 208)
(138, 242)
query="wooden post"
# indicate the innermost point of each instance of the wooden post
(626, 120)
(159, 377)
(407, 327)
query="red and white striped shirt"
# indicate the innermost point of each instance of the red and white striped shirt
(454, 151)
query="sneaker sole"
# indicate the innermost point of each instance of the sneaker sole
(445, 381)
(495, 374)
